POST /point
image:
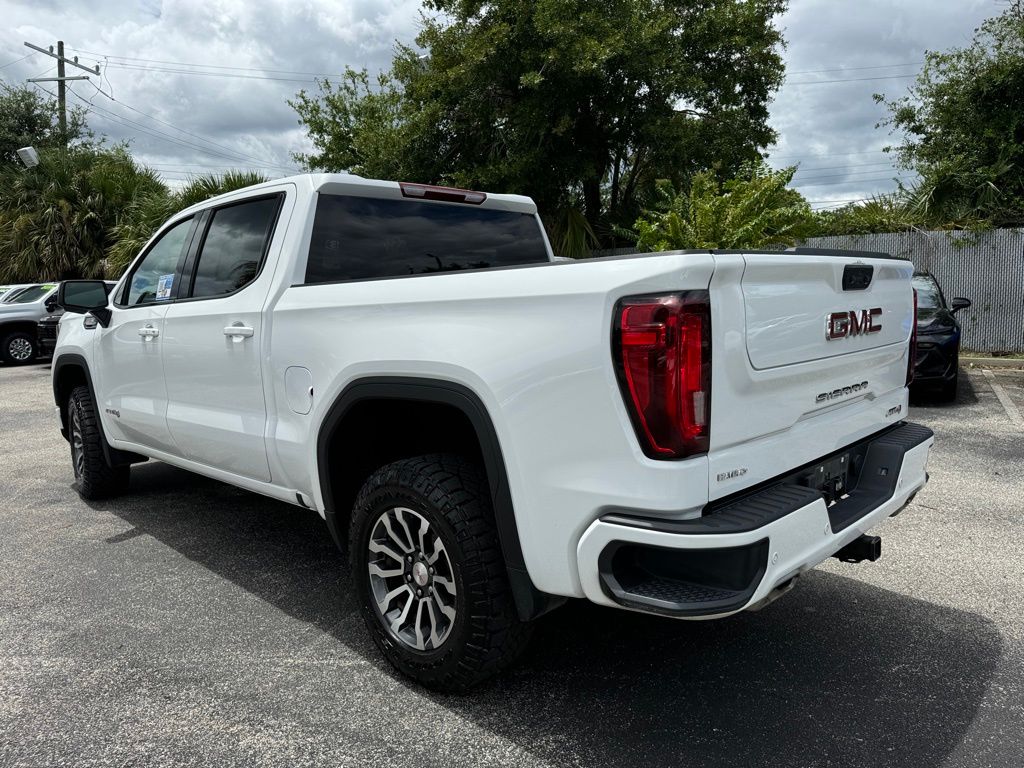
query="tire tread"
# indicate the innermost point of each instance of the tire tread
(456, 489)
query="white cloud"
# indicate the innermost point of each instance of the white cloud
(236, 117)
(828, 128)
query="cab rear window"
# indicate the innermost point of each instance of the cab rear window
(361, 238)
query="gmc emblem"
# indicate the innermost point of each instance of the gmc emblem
(839, 325)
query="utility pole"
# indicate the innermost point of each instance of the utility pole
(62, 96)
(61, 79)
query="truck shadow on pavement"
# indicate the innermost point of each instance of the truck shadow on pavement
(838, 672)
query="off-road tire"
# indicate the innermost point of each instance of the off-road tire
(94, 477)
(452, 494)
(22, 341)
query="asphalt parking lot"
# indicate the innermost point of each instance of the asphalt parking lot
(194, 624)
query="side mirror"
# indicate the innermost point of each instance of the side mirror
(85, 297)
(51, 304)
(960, 303)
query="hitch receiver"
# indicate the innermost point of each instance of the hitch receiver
(862, 548)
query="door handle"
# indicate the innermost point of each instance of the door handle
(238, 331)
(149, 332)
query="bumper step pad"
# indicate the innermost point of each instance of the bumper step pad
(707, 581)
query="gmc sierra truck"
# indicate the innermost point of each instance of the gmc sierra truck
(489, 431)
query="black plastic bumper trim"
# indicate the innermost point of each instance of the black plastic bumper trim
(881, 456)
(707, 581)
(682, 583)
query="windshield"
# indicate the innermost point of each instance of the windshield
(35, 293)
(928, 296)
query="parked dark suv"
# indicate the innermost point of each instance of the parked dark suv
(938, 337)
(47, 328)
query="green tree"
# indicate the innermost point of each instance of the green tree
(896, 212)
(56, 219)
(29, 119)
(147, 211)
(963, 128)
(755, 210)
(575, 103)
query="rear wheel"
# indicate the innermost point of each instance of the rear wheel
(18, 348)
(430, 575)
(94, 477)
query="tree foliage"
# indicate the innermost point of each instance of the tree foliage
(963, 129)
(146, 212)
(87, 211)
(56, 219)
(29, 119)
(577, 104)
(754, 210)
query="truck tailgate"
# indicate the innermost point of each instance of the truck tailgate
(815, 360)
(797, 310)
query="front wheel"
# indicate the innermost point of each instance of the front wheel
(95, 478)
(18, 348)
(430, 575)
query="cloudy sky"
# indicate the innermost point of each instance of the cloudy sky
(202, 86)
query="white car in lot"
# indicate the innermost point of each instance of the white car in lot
(20, 311)
(489, 432)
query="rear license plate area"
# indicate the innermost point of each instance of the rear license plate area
(831, 477)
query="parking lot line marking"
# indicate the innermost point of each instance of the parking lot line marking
(1008, 405)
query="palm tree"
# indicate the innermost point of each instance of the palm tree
(144, 215)
(57, 219)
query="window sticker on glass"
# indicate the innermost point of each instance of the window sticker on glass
(163, 287)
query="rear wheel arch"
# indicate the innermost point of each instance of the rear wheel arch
(369, 412)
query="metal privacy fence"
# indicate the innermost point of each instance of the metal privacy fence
(985, 267)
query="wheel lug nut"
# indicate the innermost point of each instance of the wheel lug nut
(408, 577)
(419, 593)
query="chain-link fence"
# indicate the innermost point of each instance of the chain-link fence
(985, 267)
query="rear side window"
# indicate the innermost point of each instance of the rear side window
(234, 246)
(358, 238)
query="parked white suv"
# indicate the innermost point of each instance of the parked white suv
(20, 311)
(490, 432)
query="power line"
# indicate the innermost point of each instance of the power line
(843, 175)
(848, 80)
(205, 66)
(854, 181)
(190, 133)
(833, 154)
(855, 69)
(838, 167)
(158, 134)
(12, 63)
(113, 65)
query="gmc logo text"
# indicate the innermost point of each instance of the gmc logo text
(839, 325)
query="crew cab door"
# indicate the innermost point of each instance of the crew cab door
(129, 372)
(212, 339)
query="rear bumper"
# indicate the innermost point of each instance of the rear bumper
(745, 552)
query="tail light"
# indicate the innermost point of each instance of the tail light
(662, 350)
(913, 344)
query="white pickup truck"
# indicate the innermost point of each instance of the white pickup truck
(489, 431)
